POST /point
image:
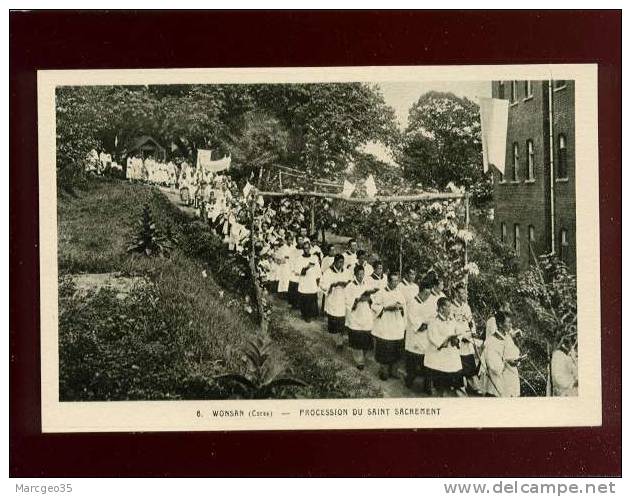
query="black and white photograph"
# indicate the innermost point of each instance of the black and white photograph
(412, 239)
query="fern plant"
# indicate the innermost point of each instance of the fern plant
(266, 378)
(149, 241)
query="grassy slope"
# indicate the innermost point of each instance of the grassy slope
(95, 228)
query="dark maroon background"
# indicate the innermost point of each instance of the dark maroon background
(68, 40)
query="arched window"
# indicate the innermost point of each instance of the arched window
(517, 241)
(562, 157)
(515, 161)
(530, 170)
(559, 83)
(527, 89)
(503, 232)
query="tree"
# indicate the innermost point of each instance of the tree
(328, 122)
(442, 145)
(260, 142)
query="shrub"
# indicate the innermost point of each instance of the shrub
(125, 349)
(266, 376)
(150, 241)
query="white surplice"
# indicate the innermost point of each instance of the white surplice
(308, 282)
(502, 379)
(359, 315)
(389, 324)
(335, 302)
(440, 356)
(419, 312)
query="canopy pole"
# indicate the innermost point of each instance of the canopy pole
(400, 255)
(466, 225)
(253, 271)
(419, 197)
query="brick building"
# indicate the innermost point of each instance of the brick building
(526, 195)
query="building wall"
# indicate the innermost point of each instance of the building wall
(527, 203)
(565, 190)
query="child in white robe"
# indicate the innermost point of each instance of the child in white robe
(309, 277)
(469, 348)
(378, 279)
(442, 357)
(420, 313)
(389, 307)
(294, 276)
(359, 316)
(436, 285)
(328, 259)
(333, 284)
(361, 260)
(564, 370)
(350, 255)
(502, 358)
(284, 256)
(408, 287)
(326, 263)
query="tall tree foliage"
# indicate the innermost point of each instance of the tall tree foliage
(328, 122)
(442, 144)
(315, 127)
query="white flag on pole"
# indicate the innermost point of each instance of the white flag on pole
(348, 189)
(494, 121)
(371, 188)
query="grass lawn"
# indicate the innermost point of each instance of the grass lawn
(178, 330)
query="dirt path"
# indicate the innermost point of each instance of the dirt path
(318, 339)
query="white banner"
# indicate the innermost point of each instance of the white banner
(494, 121)
(205, 162)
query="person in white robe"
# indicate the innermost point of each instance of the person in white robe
(502, 358)
(92, 161)
(333, 284)
(271, 278)
(284, 256)
(420, 313)
(390, 311)
(326, 262)
(129, 169)
(436, 285)
(350, 255)
(308, 267)
(469, 347)
(442, 356)
(362, 257)
(407, 286)
(294, 276)
(359, 316)
(328, 259)
(490, 326)
(378, 279)
(564, 368)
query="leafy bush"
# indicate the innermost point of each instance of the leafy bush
(125, 349)
(150, 241)
(266, 377)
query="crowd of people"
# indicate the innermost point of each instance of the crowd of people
(399, 320)
(403, 321)
(390, 318)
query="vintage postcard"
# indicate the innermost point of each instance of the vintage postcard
(319, 248)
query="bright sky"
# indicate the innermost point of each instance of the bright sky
(402, 95)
